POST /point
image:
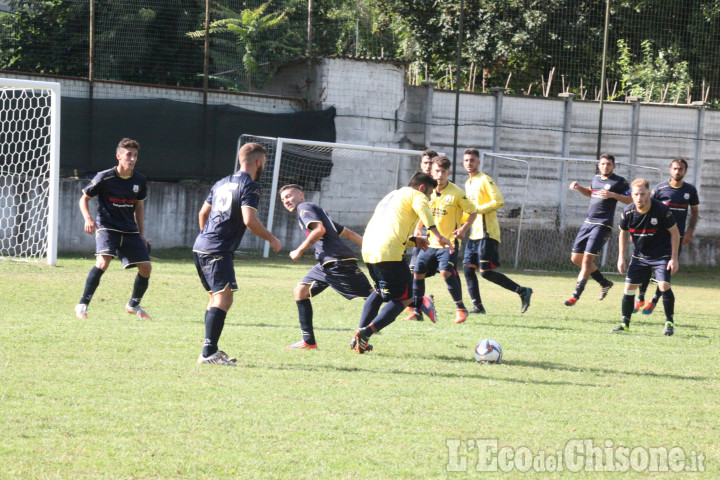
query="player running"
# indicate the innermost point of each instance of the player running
(605, 190)
(678, 195)
(336, 265)
(118, 227)
(387, 235)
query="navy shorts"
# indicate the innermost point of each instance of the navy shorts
(130, 248)
(216, 271)
(434, 259)
(640, 269)
(344, 276)
(482, 254)
(393, 280)
(591, 238)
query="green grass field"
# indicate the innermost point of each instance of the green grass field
(116, 397)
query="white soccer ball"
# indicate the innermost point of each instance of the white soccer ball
(488, 351)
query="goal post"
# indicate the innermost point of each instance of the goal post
(337, 176)
(542, 216)
(29, 169)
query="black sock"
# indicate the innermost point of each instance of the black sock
(455, 288)
(214, 323)
(473, 285)
(139, 289)
(370, 309)
(305, 314)
(387, 315)
(91, 284)
(418, 293)
(643, 288)
(500, 279)
(579, 287)
(657, 296)
(628, 303)
(598, 277)
(669, 304)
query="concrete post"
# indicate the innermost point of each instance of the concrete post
(429, 91)
(567, 129)
(699, 138)
(499, 92)
(634, 131)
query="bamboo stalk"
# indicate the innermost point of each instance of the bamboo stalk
(508, 80)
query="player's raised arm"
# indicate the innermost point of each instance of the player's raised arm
(584, 190)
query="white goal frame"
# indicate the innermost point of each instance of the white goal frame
(53, 161)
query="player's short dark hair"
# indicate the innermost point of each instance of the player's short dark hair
(682, 161)
(126, 143)
(250, 151)
(608, 156)
(291, 186)
(472, 151)
(420, 178)
(640, 181)
(429, 153)
(443, 162)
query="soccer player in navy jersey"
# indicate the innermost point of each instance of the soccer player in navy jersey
(679, 196)
(388, 234)
(229, 210)
(119, 226)
(654, 234)
(336, 265)
(605, 190)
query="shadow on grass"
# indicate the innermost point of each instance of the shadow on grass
(351, 369)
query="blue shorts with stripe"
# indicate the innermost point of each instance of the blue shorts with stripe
(216, 271)
(393, 280)
(640, 270)
(130, 248)
(591, 238)
(482, 254)
(434, 259)
(344, 276)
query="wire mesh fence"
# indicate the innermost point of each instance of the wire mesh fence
(663, 51)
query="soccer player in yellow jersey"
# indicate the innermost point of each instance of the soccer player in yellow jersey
(386, 237)
(448, 203)
(481, 250)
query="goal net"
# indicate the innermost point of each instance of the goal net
(29, 170)
(336, 176)
(542, 216)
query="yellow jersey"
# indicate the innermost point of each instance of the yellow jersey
(485, 194)
(447, 208)
(388, 233)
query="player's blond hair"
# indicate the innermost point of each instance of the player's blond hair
(640, 182)
(250, 152)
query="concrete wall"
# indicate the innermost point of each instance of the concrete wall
(375, 107)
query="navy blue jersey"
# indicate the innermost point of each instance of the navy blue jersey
(225, 226)
(602, 210)
(678, 199)
(649, 230)
(330, 247)
(117, 197)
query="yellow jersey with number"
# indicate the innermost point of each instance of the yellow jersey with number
(388, 233)
(448, 207)
(482, 190)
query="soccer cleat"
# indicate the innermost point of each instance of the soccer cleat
(353, 342)
(428, 308)
(361, 342)
(301, 345)
(414, 316)
(478, 309)
(460, 315)
(669, 329)
(570, 302)
(623, 327)
(649, 308)
(219, 358)
(638, 305)
(526, 299)
(81, 310)
(137, 310)
(604, 289)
